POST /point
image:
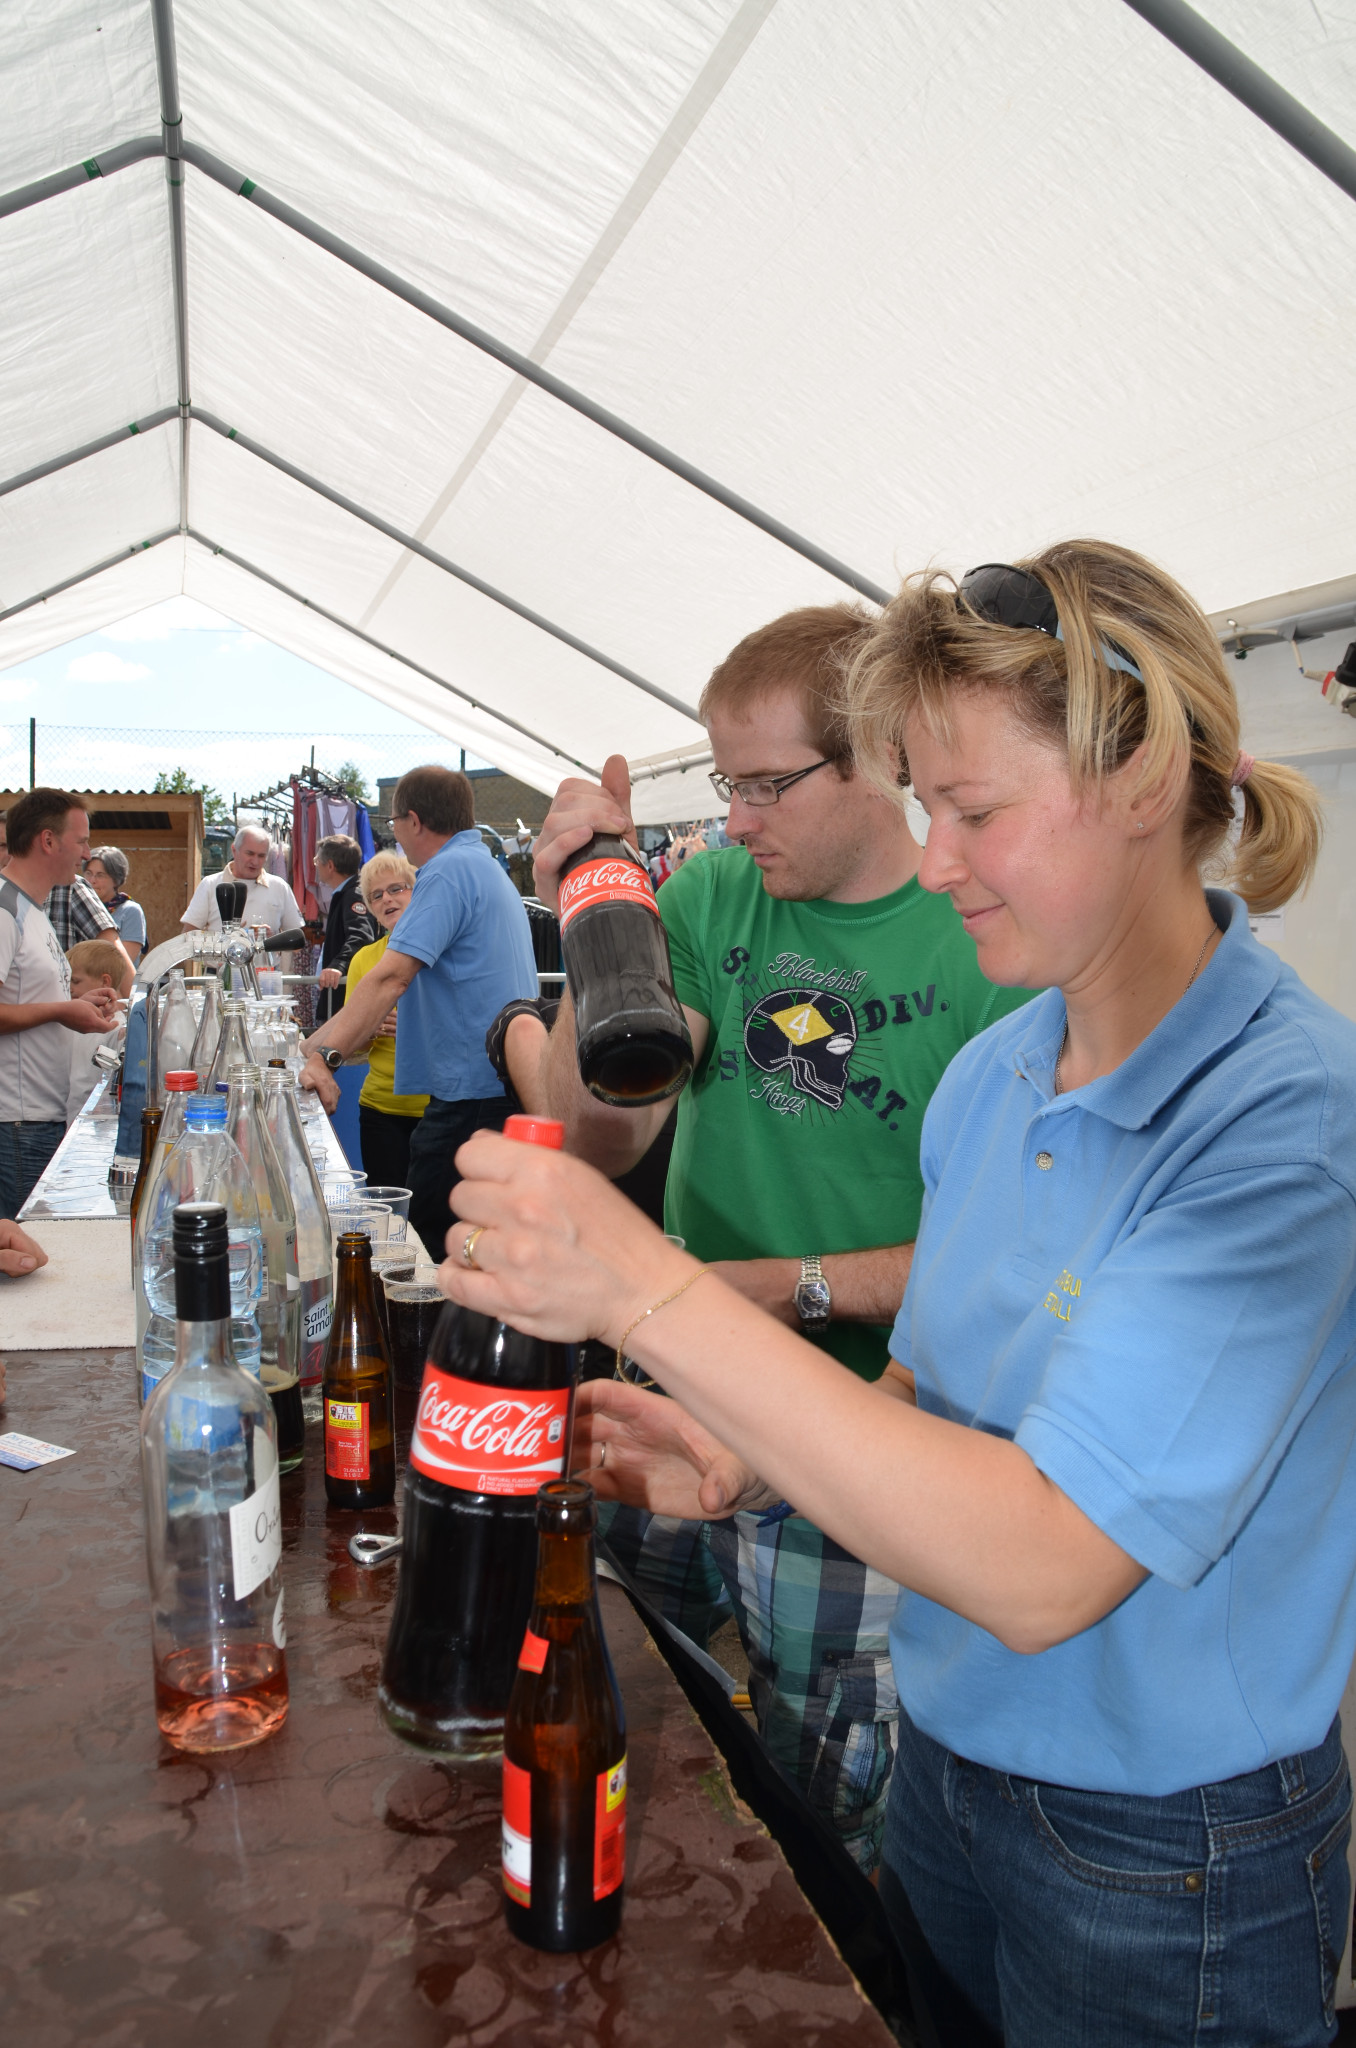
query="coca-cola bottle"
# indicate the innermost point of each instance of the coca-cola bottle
(492, 1425)
(632, 1037)
(564, 1839)
(358, 1388)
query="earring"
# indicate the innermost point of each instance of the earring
(1139, 824)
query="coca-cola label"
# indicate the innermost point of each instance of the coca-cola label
(488, 1439)
(604, 881)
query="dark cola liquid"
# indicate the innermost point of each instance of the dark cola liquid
(291, 1425)
(467, 1563)
(633, 1042)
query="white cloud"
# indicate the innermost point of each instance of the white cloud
(105, 668)
(14, 689)
(175, 615)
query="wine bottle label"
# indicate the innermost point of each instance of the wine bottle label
(532, 1656)
(609, 1831)
(256, 1528)
(485, 1440)
(347, 1439)
(604, 881)
(280, 1621)
(517, 1836)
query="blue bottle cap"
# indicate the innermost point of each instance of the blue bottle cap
(205, 1112)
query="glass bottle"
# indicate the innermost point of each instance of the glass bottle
(209, 1464)
(233, 1045)
(359, 1406)
(279, 1310)
(209, 1031)
(564, 1841)
(176, 1032)
(315, 1236)
(151, 1120)
(204, 1166)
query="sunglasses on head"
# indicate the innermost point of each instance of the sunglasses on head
(1004, 596)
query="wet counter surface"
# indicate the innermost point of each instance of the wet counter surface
(330, 1886)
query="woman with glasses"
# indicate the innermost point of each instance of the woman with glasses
(385, 1120)
(106, 872)
(1113, 1468)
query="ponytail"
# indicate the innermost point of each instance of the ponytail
(1279, 841)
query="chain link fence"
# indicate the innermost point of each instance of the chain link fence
(235, 765)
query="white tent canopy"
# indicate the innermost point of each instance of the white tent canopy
(916, 282)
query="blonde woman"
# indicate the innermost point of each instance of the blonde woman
(385, 1120)
(1117, 1474)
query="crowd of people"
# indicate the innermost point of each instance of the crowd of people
(998, 1302)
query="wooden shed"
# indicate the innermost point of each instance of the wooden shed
(161, 834)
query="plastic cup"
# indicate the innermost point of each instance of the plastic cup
(397, 1200)
(412, 1310)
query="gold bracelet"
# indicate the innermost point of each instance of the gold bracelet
(617, 1368)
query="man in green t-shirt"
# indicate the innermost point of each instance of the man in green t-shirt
(826, 992)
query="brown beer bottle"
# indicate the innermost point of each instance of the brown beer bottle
(564, 1746)
(632, 1037)
(357, 1388)
(151, 1120)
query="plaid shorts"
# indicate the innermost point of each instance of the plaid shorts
(815, 1623)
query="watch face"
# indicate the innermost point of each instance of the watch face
(812, 1301)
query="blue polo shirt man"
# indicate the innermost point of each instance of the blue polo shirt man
(1149, 1283)
(460, 951)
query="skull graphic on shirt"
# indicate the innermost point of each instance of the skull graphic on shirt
(807, 1032)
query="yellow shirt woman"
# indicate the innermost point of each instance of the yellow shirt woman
(378, 1090)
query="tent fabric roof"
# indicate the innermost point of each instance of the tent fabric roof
(920, 282)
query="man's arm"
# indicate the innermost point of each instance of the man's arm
(865, 1287)
(544, 1070)
(357, 1023)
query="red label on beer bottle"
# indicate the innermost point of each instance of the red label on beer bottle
(532, 1656)
(486, 1439)
(609, 1831)
(517, 1833)
(604, 881)
(347, 1440)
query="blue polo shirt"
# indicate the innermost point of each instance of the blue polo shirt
(468, 925)
(1149, 1283)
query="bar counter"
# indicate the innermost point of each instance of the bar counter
(331, 1886)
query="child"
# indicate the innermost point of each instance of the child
(94, 964)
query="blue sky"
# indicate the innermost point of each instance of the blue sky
(181, 686)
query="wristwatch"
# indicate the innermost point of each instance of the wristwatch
(813, 1298)
(332, 1057)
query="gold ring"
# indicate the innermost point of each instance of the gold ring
(602, 1456)
(468, 1249)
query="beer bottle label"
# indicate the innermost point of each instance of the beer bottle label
(532, 1656)
(604, 881)
(347, 1440)
(486, 1440)
(609, 1831)
(517, 1838)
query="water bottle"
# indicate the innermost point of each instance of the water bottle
(209, 1031)
(157, 1351)
(233, 1045)
(315, 1238)
(204, 1166)
(178, 1029)
(280, 1302)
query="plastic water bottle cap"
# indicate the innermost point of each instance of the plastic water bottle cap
(205, 1112)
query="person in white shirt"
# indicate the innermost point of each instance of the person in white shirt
(48, 837)
(268, 901)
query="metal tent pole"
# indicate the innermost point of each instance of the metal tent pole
(172, 118)
(419, 547)
(31, 476)
(392, 653)
(1253, 88)
(102, 166)
(523, 366)
(83, 576)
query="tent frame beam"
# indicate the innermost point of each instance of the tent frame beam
(1253, 88)
(172, 122)
(101, 166)
(83, 576)
(428, 554)
(392, 653)
(373, 519)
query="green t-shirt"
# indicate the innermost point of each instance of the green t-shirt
(831, 1025)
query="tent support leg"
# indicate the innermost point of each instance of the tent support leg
(1252, 87)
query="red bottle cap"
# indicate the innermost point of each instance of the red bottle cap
(536, 1130)
(181, 1081)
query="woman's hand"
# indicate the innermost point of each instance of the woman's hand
(558, 1252)
(648, 1452)
(387, 1026)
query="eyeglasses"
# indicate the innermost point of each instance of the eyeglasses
(391, 889)
(1004, 596)
(765, 790)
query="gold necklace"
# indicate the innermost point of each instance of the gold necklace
(1213, 933)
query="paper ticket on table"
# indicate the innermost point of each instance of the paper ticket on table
(26, 1452)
